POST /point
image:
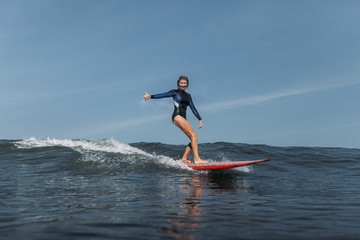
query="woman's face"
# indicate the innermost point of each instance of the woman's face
(183, 84)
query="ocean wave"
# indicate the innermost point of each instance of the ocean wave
(107, 153)
(110, 155)
(106, 145)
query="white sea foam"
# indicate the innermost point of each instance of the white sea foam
(99, 146)
(246, 169)
(108, 145)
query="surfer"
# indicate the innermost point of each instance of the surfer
(183, 99)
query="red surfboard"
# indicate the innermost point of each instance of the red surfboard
(222, 165)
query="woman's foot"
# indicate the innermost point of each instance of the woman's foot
(186, 161)
(200, 161)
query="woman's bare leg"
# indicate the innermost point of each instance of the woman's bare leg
(185, 126)
(186, 154)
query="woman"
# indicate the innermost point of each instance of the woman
(182, 99)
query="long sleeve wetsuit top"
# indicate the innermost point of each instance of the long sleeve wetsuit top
(182, 99)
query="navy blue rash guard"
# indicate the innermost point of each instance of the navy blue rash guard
(182, 99)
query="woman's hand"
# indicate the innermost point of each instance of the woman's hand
(146, 96)
(201, 123)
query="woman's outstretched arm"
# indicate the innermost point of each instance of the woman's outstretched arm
(160, 95)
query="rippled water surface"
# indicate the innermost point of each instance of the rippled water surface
(79, 189)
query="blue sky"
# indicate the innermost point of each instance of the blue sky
(281, 73)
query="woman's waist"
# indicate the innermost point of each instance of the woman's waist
(179, 111)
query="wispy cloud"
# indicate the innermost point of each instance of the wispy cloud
(13, 97)
(121, 124)
(125, 123)
(25, 97)
(235, 103)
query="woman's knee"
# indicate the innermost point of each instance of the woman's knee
(193, 136)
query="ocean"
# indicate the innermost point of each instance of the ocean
(106, 189)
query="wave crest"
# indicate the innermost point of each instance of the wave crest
(107, 153)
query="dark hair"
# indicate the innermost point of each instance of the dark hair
(181, 77)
